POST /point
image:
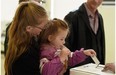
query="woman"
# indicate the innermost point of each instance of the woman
(22, 57)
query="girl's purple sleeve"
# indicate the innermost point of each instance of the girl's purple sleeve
(77, 57)
(52, 67)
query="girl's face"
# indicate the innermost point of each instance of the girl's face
(58, 40)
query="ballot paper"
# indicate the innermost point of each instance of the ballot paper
(97, 62)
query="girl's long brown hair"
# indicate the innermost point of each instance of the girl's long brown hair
(28, 13)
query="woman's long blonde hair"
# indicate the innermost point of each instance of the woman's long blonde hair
(27, 14)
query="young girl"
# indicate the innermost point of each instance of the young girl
(58, 56)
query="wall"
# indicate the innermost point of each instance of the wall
(108, 13)
(8, 8)
(61, 7)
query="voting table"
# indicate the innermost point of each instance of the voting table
(89, 69)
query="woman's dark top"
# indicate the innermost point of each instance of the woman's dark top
(28, 62)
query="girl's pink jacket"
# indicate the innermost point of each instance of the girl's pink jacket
(54, 66)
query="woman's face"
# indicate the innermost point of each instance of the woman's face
(35, 30)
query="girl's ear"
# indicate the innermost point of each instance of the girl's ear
(50, 38)
(28, 28)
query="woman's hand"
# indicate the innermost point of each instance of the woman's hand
(89, 52)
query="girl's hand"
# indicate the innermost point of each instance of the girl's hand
(65, 52)
(89, 52)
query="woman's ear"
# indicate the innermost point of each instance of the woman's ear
(28, 28)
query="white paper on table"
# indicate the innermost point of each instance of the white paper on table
(90, 69)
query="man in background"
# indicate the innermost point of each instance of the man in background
(87, 30)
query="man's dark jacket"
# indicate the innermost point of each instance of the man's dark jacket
(82, 36)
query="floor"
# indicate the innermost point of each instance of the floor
(2, 64)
